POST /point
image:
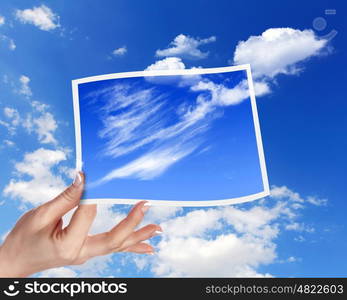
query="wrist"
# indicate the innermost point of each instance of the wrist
(8, 266)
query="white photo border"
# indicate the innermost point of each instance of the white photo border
(78, 138)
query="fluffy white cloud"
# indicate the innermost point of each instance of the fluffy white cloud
(278, 51)
(261, 88)
(191, 224)
(169, 63)
(224, 256)
(120, 51)
(186, 47)
(43, 184)
(2, 20)
(227, 241)
(41, 16)
(25, 88)
(158, 214)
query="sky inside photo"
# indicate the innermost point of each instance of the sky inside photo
(172, 137)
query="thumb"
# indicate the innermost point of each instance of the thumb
(67, 200)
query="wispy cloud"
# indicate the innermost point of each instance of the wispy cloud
(9, 41)
(136, 118)
(151, 164)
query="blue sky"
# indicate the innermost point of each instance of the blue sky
(170, 138)
(299, 231)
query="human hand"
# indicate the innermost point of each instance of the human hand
(38, 241)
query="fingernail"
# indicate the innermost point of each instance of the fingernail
(78, 179)
(145, 207)
(158, 232)
(150, 253)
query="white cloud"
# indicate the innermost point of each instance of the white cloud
(186, 47)
(195, 223)
(317, 201)
(10, 42)
(221, 95)
(42, 123)
(2, 20)
(106, 218)
(41, 16)
(39, 106)
(278, 51)
(120, 51)
(13, 115)
(39, 120)
(169, 63)
(45, 126)
(158, 214)
(12, 120)
(296, 226)
(149, 165)
(284, 192)
(226, 241)
(43, 184)
(25, 88)
(261, 88)
(292, 259)
(94, 267)
(9, 143)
